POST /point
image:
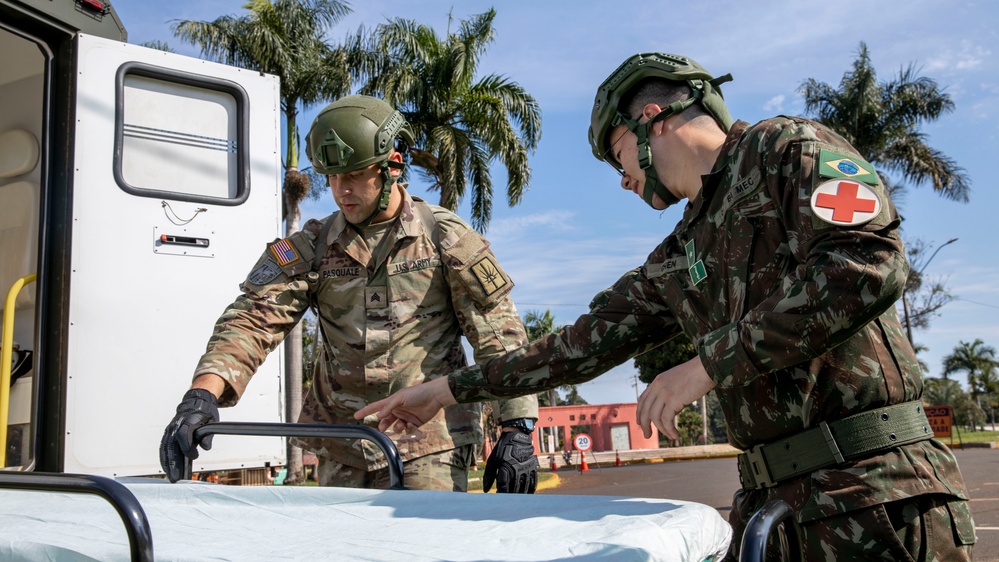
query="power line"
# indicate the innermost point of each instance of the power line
(974, 302)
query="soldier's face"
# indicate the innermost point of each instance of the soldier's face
(624, 148)
(357, 192)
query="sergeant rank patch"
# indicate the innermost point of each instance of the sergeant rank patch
(845, 203)
(284, 252)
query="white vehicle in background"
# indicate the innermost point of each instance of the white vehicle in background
(136, 188)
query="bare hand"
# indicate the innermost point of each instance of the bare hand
(669, 393)
(411, 407)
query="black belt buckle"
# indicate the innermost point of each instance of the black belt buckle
(754, 463)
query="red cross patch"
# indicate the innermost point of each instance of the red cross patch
(845, 203)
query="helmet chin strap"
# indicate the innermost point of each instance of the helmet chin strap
(653, 186)
(388, 180)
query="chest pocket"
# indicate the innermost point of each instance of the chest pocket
(410, 279)
(754, 265)
(668, 269)
(341, 285)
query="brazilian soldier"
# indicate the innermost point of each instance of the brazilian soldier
(784, 269)
(395, 283)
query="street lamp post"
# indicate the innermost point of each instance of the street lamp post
(905, 290)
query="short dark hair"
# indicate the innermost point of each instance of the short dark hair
(661, 92)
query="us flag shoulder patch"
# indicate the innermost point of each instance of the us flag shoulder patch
(284, 252)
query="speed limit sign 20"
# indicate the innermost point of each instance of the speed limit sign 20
(583, 442)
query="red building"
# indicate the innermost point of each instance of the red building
(612, 427)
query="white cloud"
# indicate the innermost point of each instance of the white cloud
(775, 104)
(968, 57)
(553, 220)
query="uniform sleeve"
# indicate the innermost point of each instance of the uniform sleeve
(624, 321)
(844, 278)
(274, 299)
(480, 294)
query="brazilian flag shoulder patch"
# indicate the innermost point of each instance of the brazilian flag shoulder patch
(835, 165)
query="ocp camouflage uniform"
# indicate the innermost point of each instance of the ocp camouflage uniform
(389, 319)
(794, 319)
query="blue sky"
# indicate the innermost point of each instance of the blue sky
(577, 231)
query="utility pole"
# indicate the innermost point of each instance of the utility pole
(704, 419)
(635, 384)
(905, 289)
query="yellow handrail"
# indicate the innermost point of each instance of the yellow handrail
(6, 353)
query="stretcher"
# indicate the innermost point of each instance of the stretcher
(46, 516)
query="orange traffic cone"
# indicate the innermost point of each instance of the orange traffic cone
(617, 459)
(551, 459)
(583, 467)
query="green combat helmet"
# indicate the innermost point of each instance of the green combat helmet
(607, 113)
(355, 132)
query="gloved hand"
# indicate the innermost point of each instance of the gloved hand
(512, 465)
(198, 408)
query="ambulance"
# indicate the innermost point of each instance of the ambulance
(137, 187)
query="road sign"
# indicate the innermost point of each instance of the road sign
(583, 442)
(941, 420)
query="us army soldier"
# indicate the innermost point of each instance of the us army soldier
(395, 283)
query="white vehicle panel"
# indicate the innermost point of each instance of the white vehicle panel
(164, 230)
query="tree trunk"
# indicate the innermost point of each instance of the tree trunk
(293, 369)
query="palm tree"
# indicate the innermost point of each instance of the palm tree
(881, 120)
(285, 38)
(462, 124)
(979, 361)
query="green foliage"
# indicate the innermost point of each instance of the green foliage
(882, 119)
(946, 392)
(573, 398)
(462, 123)
(286, 38)
(690, 426)
(979, 362)
(158, 45)
(663, 358)
(539, 325)
(310, 349)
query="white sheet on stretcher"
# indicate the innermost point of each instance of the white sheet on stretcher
(197, 521)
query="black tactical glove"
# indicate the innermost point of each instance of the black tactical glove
(512, 465)
(198, 408)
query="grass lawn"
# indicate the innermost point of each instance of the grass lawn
(968, 436)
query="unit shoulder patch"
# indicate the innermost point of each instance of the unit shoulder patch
(489, 276)
(265, 272)
(845, 203)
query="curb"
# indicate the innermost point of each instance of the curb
(550, 483)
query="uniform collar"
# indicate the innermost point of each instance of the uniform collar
(349, 239)
(710, 182)
(411, 225)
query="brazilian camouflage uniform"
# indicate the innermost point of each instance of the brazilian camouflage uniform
(794, 320)
(389, 321)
